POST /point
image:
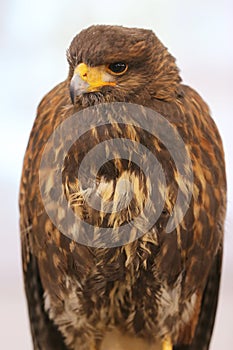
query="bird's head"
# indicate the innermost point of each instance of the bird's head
(114, 63)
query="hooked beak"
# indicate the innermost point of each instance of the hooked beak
(89, 79)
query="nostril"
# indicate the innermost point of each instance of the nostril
(84, 76)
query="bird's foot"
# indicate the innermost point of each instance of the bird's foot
(167, 344)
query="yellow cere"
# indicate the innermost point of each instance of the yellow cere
(94, 76)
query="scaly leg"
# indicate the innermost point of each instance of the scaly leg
(166, 344)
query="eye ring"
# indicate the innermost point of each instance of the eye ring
(117, 68)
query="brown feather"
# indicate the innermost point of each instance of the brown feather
(161, 285)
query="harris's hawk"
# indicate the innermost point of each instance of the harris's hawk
(159, 289)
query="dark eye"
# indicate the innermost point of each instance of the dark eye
(118, 68)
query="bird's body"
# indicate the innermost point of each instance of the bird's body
(161, 289)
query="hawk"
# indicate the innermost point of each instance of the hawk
(158, 290)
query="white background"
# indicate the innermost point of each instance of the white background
(33, 38)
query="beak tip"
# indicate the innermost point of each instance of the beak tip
(77, 87)
(72, 94)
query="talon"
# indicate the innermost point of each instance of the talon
(167, 345)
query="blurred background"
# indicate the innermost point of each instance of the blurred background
(34, 36)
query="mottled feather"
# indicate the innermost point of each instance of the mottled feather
(161, 285)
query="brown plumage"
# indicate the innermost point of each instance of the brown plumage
(159, 291)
